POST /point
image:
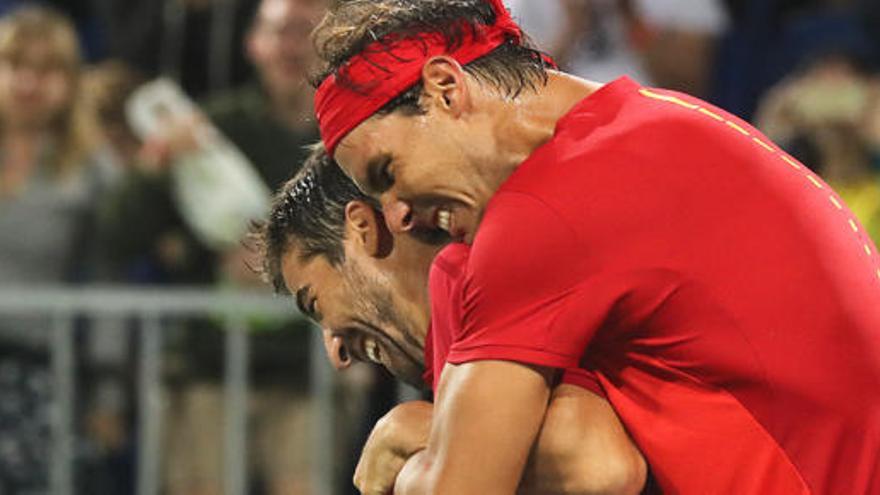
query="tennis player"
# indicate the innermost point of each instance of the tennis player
(327, 244)
(724, 295)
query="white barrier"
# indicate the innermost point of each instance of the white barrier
(149, 306)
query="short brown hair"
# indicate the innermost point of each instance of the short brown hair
(308, 213)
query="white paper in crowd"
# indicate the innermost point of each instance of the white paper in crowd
(217, 190)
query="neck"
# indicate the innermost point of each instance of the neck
(530, 120)
(21, 149)
(21, 144)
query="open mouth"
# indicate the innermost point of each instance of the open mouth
(444, 219)
(432, 226)
(371, 348)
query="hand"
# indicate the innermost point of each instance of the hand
(179, 136)
(396, 437)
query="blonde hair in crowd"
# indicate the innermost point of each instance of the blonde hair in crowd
(74, 127)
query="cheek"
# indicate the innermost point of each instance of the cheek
(261, 51)
(424, 162)
(57, 90)
(6, 74)
(5, 86)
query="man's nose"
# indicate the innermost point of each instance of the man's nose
(338, 354)
(398, 215)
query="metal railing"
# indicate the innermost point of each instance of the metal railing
(150, 306)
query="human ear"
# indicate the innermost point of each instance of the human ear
(364, 224)
(444, 83)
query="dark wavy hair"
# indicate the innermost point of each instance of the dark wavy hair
(352, 25)
(308, 213)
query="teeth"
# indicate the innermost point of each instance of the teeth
(444, 218)
(372, 350)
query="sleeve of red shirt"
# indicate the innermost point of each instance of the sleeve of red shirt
(530, 295)
(446, 284)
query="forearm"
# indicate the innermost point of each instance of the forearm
(583, 449)
(486, 418)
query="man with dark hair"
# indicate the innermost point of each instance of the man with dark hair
(328, 244)
(270, 121)
(724, 296)
(338, 241)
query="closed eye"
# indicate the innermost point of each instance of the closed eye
(379, 175)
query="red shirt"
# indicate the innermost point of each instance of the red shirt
(728, 300)
(446, 284)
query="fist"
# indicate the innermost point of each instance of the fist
(396, 437)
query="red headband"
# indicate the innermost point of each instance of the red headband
(388, 67)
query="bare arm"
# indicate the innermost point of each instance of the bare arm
(486, 418)
(583, 448)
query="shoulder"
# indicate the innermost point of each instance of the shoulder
(632, 152)
(522, 243)
(623, 124)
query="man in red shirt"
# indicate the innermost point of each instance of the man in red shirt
(327, 244)
(723, 294)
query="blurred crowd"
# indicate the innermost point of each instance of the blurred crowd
(96, 188)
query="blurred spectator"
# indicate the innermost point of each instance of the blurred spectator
(271, 118)
(50, 182)
(191, 41)
(644, 39)
(677, 40)
(106, 88)
(589, 38)
(109, 379)
(270, 121)
(770, 39)
(828, 116)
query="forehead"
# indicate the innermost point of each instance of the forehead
(41, 52)
(316, 272)
(377, 136)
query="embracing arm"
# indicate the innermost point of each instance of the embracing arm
(486, 418)
(583, 449)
